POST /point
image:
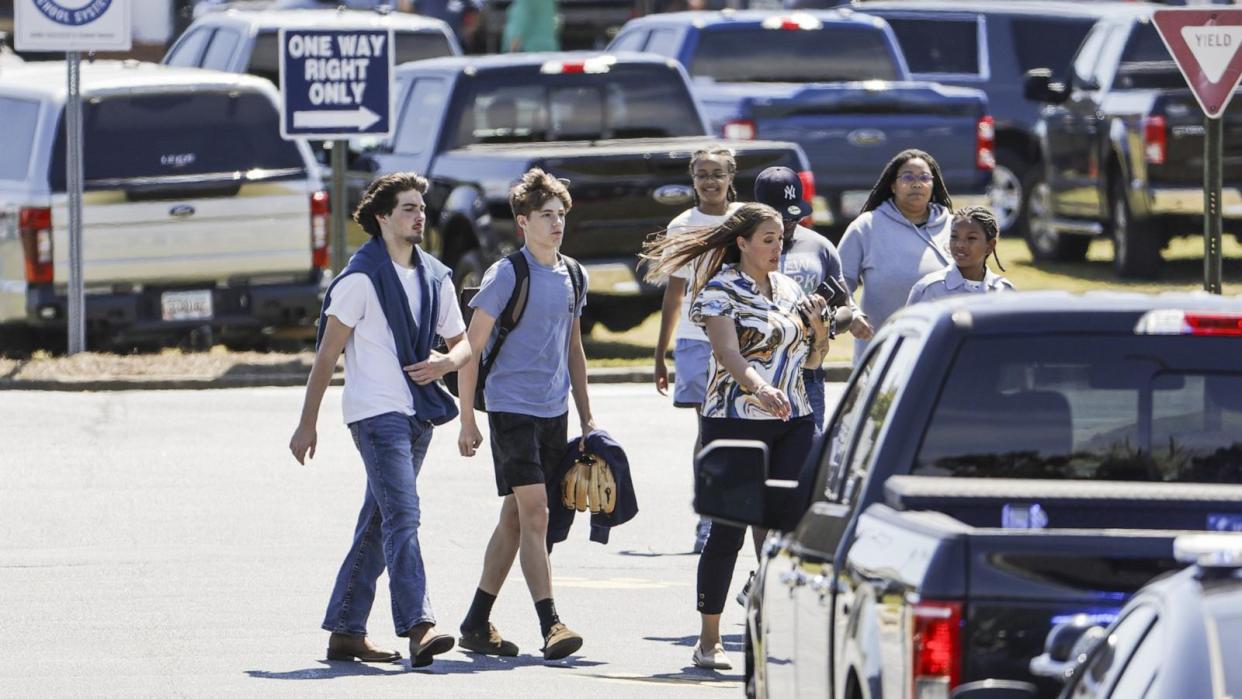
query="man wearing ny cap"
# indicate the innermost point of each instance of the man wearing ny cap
(807, 256)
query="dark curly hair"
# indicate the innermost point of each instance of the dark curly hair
(534, 190)
(381, 198)
(982, 217)
(883, 189)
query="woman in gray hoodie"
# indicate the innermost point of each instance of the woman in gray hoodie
(901, 235)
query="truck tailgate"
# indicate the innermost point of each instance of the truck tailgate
(1183, 162)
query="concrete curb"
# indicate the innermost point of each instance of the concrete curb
(609, 375)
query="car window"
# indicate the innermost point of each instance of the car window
(1146, 63)
(20, 117)
(841, 430)
(1048, 42)
(216, 136)
(629, 41)
(1139, 672)
(1228, 639)
(187, 51)
(411, 46)
(664, 42)
(940, 46)
(830, 54)
(1111, 654)
(1089, 52)
(878, 410)
(219, 54)
(629, 101)
(1097, 408)
(421, 116)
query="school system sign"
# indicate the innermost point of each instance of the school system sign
(72, 25)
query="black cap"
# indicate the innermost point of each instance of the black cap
(781, 189)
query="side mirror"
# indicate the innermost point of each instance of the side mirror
(995, 689)
(731, 484)
(1037, 85)
(1067, 645)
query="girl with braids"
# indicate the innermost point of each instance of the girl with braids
(901, 235)
(711, 171)
(972, 240)
(763, 331)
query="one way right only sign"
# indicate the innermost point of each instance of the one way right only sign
(335, 83)
(1204, 44)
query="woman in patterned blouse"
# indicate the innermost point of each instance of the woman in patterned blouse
(763, 330)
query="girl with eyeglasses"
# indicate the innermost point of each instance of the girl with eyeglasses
(712, 170)
(901, 236)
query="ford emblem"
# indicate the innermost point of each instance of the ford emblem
(673, 195)
(866, 137)
(181, 211)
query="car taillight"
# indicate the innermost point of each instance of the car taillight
(34, 227)
(592, 66)
(740, 129)
(1155, 140)
(808, 192)
(985, 143)
(793, 23)
(1174, 322)
(319, 230)
(936, 650)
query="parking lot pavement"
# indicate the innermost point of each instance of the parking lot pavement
(165, 542)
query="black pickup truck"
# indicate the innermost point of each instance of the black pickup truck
(994, 464)
(619, 127)
(1122, 142)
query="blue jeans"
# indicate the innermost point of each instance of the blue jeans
(392, 446)
(813, 379)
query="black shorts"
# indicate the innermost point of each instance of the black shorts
(526, 449)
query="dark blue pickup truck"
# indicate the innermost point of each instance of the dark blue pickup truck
(836, 83)
(995, 466)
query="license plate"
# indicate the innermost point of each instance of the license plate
(852, 203)
(186, 305)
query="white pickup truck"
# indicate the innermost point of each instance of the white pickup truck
(196, 215)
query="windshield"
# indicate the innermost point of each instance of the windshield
(1166, 409)
(626, 102)
(1228, 640)
(830, 54)
(1146, 63)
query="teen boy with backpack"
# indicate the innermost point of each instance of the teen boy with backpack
(526, 395)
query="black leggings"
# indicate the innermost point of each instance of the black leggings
(789, 443)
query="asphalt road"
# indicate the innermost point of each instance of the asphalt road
(157, 543)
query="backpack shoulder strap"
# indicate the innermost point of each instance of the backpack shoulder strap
(516, 305)
(576, 277)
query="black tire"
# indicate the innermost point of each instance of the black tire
(1044, 242)
(1136, 247)
(1011, 191)
(468, 270)
(748, 673)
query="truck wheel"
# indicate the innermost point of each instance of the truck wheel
(1010, 191)
(468, 270)
(1044, 242)
(1136, 247)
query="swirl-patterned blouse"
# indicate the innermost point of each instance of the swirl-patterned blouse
(772, 336)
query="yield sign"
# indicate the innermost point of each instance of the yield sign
(1205, 44)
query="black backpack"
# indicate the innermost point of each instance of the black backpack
(509, 317)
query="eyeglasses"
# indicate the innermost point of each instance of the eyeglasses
(701, 176)
(911, 178)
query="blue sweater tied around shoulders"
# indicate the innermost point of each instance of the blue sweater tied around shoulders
(414, 337)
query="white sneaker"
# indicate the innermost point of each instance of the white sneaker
(714, 659)
(743, 595)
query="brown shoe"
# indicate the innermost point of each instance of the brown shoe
(424, 650)
(343, 647)
(560, 642)
(489, 643)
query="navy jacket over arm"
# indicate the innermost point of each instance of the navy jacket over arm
(561, 518)
(413, 337)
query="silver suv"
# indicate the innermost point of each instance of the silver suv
(196, 215)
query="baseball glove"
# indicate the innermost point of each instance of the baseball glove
(589, 485)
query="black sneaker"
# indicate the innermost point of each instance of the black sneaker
(487, 642)
(744, 595)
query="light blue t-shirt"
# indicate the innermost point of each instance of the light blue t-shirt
(531, 373)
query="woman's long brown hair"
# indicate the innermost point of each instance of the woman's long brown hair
(716, 246)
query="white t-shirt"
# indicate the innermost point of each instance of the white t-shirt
(374, 381)
(688, 220)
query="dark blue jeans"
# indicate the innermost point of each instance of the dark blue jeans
(392, 446)
(813, 379)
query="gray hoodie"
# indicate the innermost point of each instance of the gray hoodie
(884, 252)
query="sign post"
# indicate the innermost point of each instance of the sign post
(334, 85)
(1204, 44)
(73, 26)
